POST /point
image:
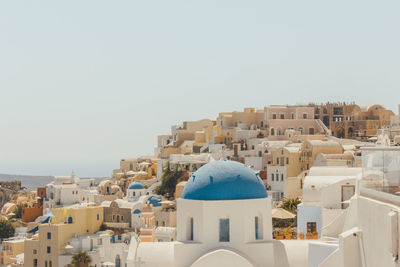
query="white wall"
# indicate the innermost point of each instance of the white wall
(308, 214)
(256, 162)
(276, 185)
(206, 215)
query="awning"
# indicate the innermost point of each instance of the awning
(280, 213)
(34, 230)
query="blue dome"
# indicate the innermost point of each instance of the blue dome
(135, 185)
(224, 180)
(137, 211)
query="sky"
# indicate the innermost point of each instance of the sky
(85, 83)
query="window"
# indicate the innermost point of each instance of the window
(189, 229)
(35, 261)
(45, 264)
(34, 252)
(282, 116)
(258, 227)
(224, 230)
(292, 116)
(274, 116)
(70, 220)
(311, 227)
(287, 160)
(163, 223)
(277, 160)
(305, 115)
(50, 264)
(122, 217)
(272, 177)
(48, 235)
(48, 250)
(117, 261)
(282, 177)
(98, 216)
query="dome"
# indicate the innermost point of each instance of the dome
(135, 185)
(137, 211)
(224, 180)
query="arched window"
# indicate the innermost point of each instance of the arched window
(117, 261)
(189, 229)
(272, 131)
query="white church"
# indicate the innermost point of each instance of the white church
(223, 219)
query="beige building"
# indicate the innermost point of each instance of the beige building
(148, 228)
(230, 124)
(279, 119)
(195, 131)
(10, 249)
(283, 171)
(43, 249)
(348, 120)
(312, 148)
(345, 159)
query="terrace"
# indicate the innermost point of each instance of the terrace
(381, 173)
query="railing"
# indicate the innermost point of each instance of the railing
(381, 170)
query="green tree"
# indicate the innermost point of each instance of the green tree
(81, 259)
(6, 229)
(290, 204)
(168, 181)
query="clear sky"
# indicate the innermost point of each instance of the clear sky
(84, 83)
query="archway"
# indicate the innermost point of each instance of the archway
(350, 132)
(272, 131)
(340, 132)
(222, 257)
(117, 261)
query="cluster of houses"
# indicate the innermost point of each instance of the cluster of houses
(340, 159)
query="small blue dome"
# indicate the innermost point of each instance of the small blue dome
(135, 185)
(224, 180)
(137, 211)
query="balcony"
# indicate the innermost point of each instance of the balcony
(381, 172)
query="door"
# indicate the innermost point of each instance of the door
(311, 227)
(347, 192)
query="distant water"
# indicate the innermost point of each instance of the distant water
(33, 182)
